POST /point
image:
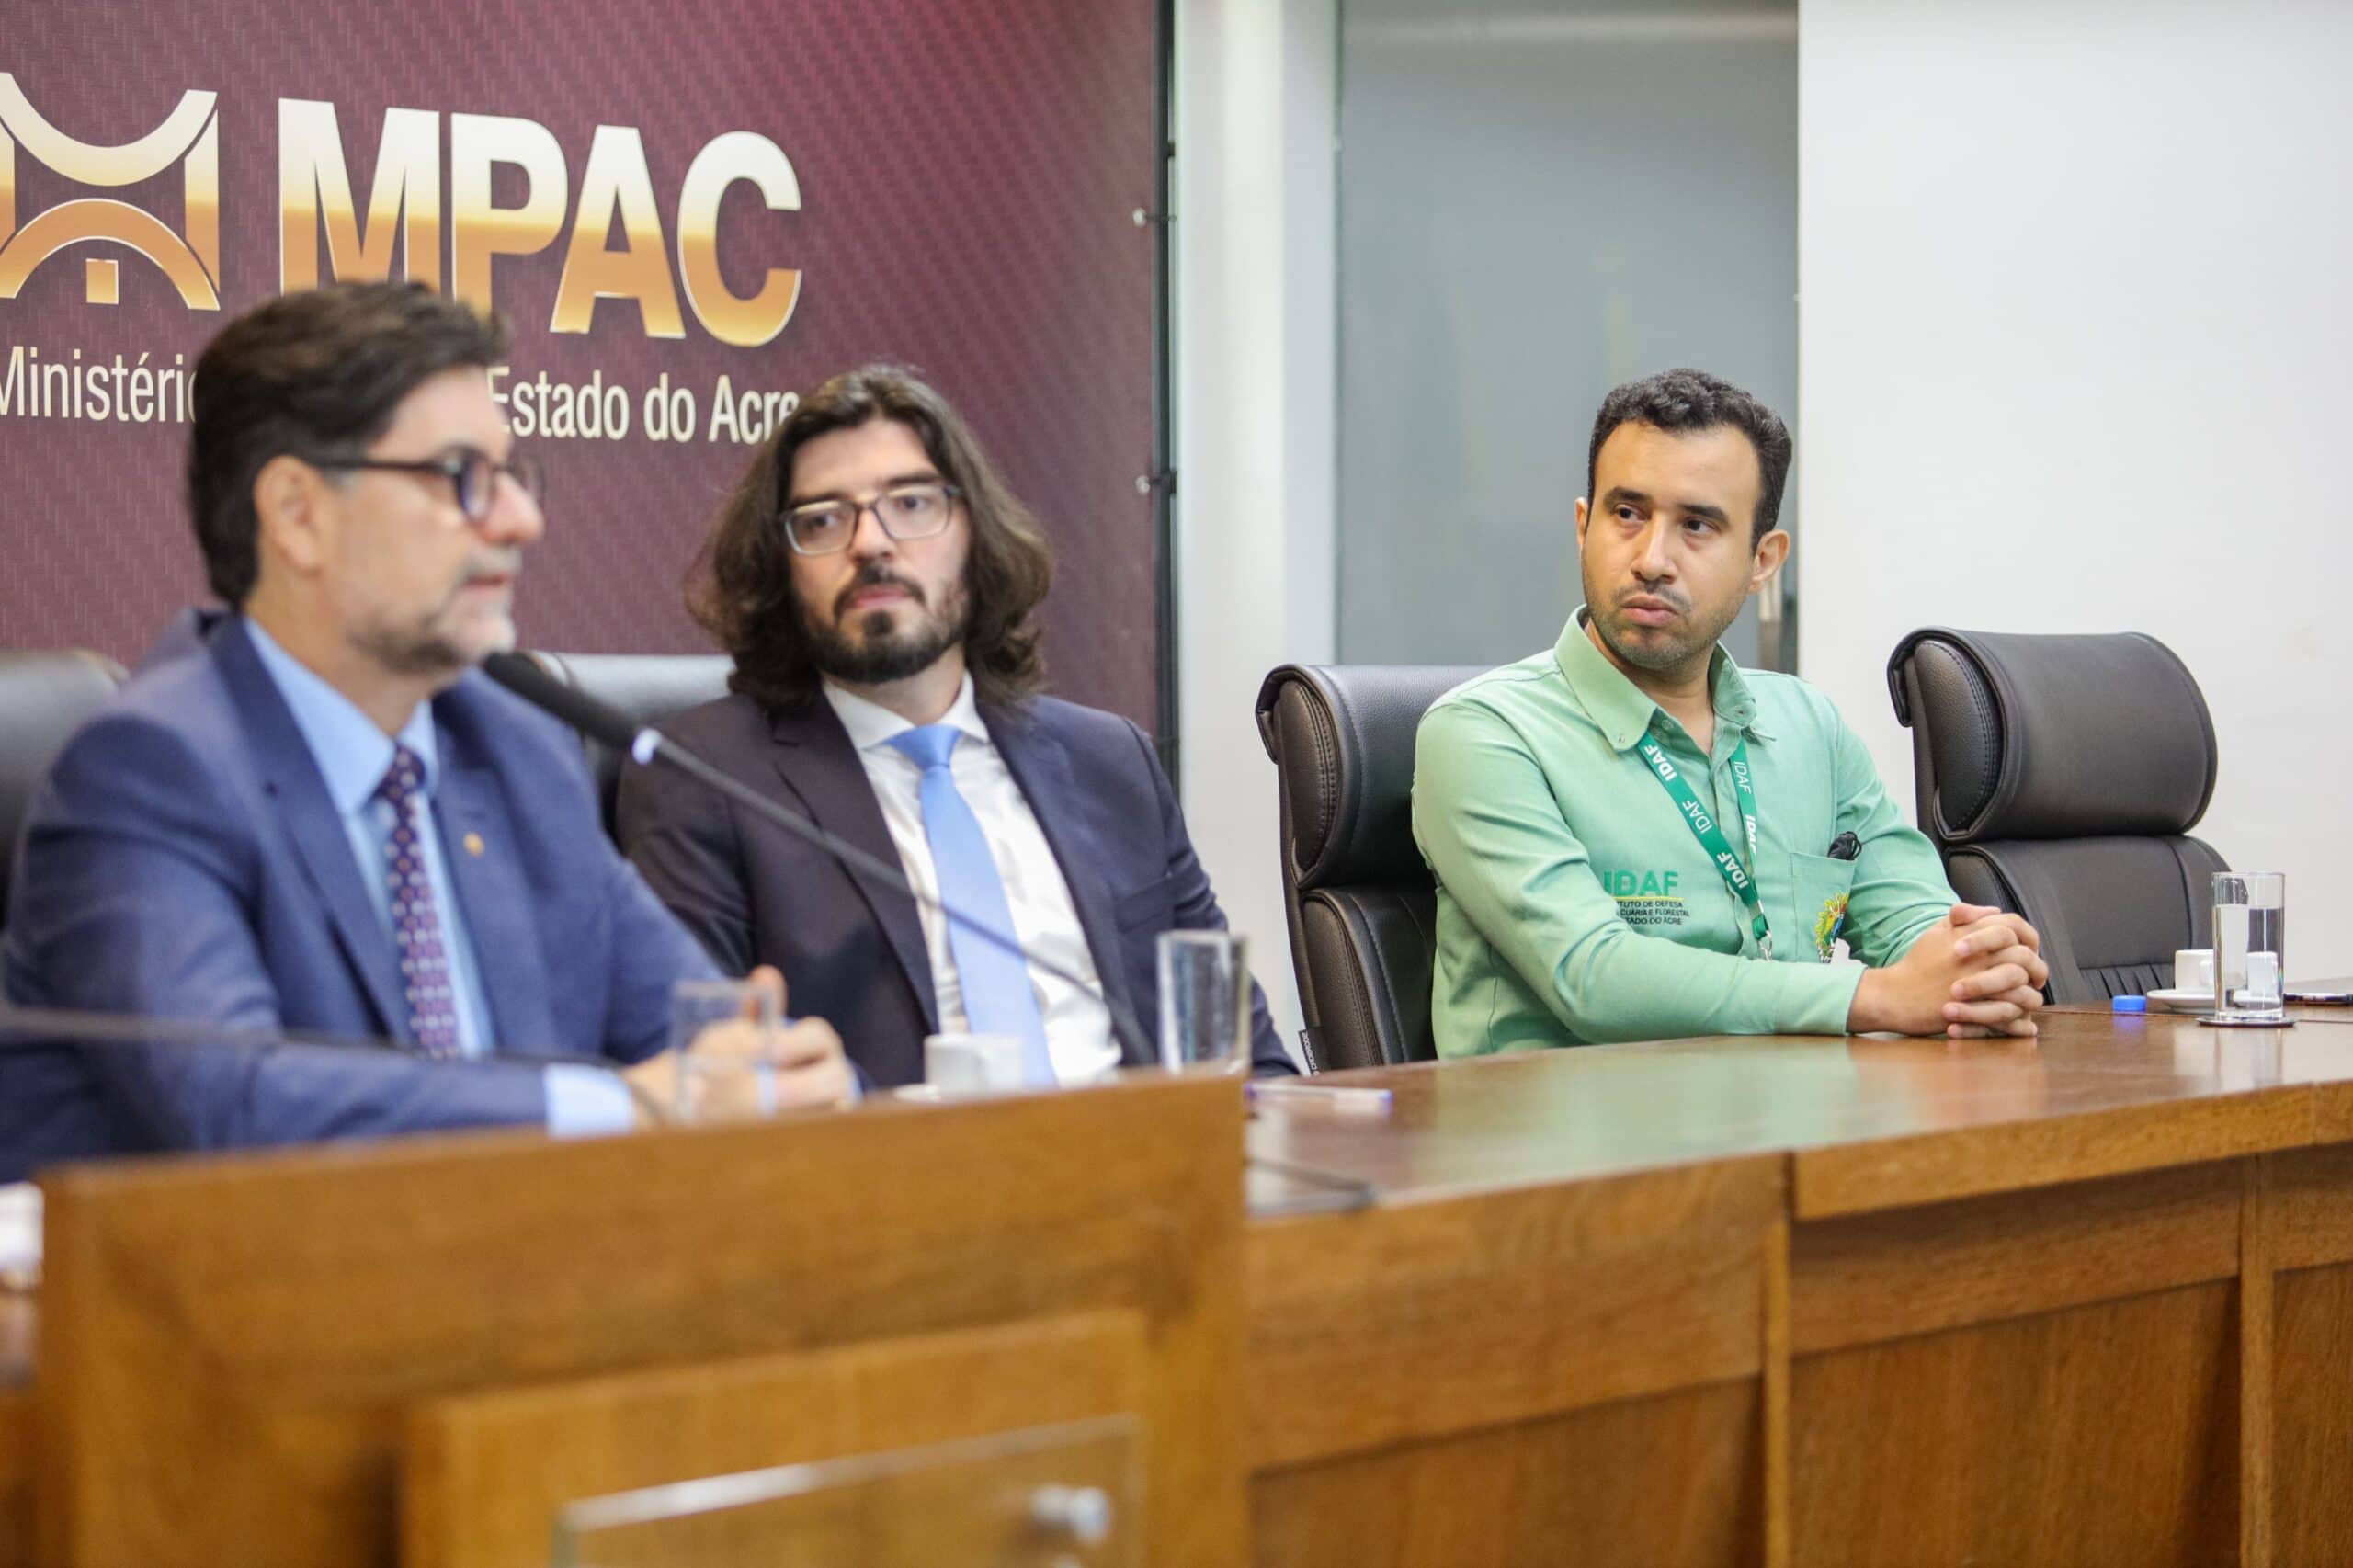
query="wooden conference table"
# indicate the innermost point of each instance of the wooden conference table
(2084, 1300)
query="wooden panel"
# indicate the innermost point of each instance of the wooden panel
(2100, 1435)
(2254, 1365)
(1663, 1481)
(1876, 1277)
(2332, 1105)
(487, 1472)
(1419, 1319)
(2309, 1207)
(17, 1467)
(2312, 1416)
(957, 1507)
(1773, 1390)
(1931, 1167)
(229, 1344)
(2308, 1212)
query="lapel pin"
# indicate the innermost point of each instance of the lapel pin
(473, 845)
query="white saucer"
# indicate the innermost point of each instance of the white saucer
(2178, 1001)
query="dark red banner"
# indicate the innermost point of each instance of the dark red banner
(689, 213)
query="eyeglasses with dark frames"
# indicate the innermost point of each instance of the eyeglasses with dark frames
(471, 474)
(905, 512)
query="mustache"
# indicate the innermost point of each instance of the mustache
(501, 564)
(874, 574)
(1669, 597)
(506, 563)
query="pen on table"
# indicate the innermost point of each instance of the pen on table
(1347, 1098)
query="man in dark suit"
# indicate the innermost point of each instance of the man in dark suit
(873, 579)
(315, 817)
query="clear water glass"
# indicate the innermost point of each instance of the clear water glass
(1204, 999)
(2250, 946)
(709, 1079)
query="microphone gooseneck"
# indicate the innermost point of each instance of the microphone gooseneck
(600, 722)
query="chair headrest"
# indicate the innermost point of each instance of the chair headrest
(1342, 738)
(44, 696)
(649, 688)
(2056, 737)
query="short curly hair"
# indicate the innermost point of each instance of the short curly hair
(1689, 401)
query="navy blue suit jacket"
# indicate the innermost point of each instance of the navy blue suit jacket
(853, 954)
(183, 861)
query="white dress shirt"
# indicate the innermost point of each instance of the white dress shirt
(1078, 1027)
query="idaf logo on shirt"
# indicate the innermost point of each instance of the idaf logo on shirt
(1646, 898)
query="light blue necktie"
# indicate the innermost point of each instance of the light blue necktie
(996, 981)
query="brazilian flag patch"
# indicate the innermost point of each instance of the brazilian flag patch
(1827, 923)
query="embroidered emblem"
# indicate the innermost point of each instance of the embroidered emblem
(1827, 923)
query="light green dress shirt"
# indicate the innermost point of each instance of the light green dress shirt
(1575, 906)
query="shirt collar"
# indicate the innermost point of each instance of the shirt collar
(1618, 707)
(351, 754)
(872, 725)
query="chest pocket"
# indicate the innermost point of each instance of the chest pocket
(1819, 887)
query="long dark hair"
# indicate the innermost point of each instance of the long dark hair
(740, 589)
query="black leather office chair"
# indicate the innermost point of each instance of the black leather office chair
(1361, 904)
(44, 696)
(649, 688)
(2059, 776)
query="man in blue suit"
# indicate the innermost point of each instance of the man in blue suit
(873, 579)
(315, 817)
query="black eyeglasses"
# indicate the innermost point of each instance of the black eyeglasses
(906, 511)
(471, 474)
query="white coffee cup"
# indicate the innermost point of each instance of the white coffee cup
(971, 1063)
(2193, 968)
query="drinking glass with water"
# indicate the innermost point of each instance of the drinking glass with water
(1204, 999)
(2250, 948)
(714, 1084)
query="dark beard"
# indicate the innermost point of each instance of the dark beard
(883, 656)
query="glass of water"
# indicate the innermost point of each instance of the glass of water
(1204, 998)
(718, 1078)
(2250, 948)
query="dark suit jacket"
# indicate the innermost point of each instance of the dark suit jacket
(854, 955)
(183, 861)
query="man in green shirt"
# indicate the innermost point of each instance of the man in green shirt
(1636, 839)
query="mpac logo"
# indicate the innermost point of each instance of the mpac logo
(406, 213)
(189, 134)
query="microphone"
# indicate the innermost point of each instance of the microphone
(644, 745)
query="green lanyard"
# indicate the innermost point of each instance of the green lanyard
(1710, 836)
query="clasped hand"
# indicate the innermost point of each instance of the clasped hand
(1979, 972)
(743, 1068)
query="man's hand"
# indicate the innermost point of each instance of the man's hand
(1977, 1008)
(1976, 972)
(743, 1068)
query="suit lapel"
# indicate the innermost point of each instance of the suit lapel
(819, 765)
(314, 825)
(480, 847)
(1041, 766)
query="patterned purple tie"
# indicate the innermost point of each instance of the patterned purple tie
(416, 921)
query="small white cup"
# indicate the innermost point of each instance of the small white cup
(2193, 968)
(971, 1063)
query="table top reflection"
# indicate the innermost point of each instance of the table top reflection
(1834, 1103)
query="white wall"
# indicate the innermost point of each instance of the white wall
(2076, 355)
(1254, 371)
